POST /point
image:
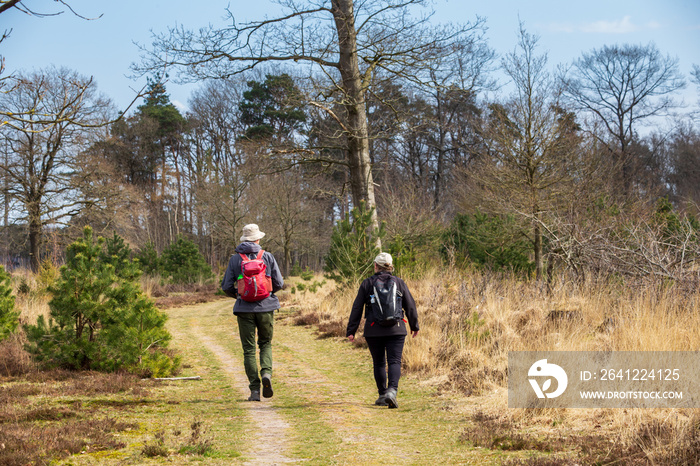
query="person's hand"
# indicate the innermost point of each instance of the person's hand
(414, 333)
(351, 338)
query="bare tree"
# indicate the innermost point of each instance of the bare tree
(56, 109)
(346, 44)
(40, 11)
(532, 144)
(631, 240)
(454, 82)
(622, 86)
(285, 203)
(682, 157)
(218, 176)
(695, 78)
(7, 4)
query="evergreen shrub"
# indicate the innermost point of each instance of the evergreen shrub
(488, 241)
(183, 262)
(9, 318)
(353, 247)
(100, 318)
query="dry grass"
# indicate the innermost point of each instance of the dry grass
(32, 305)
(34, 430)
(46, 443)
(14, 360)
(470, 321)
(168, 295)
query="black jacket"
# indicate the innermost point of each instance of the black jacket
(374, 330)
(229, 285)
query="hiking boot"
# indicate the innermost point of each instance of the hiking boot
(381, 401)
(254, 395)
(390, 397)
(267, 385)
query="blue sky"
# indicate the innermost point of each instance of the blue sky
(104, 48)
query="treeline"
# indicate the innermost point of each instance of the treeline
(562, 172)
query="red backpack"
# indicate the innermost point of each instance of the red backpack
(253, 284)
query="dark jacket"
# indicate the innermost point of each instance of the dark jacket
(363, 301)
(233, 271)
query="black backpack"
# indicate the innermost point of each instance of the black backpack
(385, 300)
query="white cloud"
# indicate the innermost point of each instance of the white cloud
(621, 26)
(179, 105)
(562, 27)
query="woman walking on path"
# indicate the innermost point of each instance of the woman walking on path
(385, 334)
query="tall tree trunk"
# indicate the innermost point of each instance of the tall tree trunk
(361, 183)
(440, 151)
(287, 257)
(538, 250)
(35, 234)
(178, 181)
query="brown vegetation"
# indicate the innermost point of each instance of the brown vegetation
(168, 296)
(470, 320)
(36, 427)
(14, 360)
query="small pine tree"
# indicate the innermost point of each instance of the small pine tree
(9, 319)
(148, 259)
(353, 247)
(676, 228)
(489, 241)
(100, 319)
(47, 276)
(183, 262)
(118, 254)
(407, 261)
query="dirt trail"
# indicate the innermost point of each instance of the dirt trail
(323, 410)
(271, 441)
(299, 363)
(337, 406)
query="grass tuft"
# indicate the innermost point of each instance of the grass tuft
(197, 445)
(158, 448)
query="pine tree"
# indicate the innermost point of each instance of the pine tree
(271, 109)
(148, 259)
(157, 106)
(118, 254)
(8, 316)
(183, 262)
(100, 319)
(353, 247)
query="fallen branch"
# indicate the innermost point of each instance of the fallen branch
(196, 377)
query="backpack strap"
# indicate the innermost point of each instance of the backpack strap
(245, 258)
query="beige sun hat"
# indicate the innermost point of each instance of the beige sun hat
(251, 232)
(383, 259)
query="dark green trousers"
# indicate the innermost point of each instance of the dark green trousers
(248, 324)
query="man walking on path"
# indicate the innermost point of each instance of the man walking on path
(254, 309)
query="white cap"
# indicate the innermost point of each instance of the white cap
(383, 259)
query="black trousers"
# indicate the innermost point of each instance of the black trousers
(386, 350)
